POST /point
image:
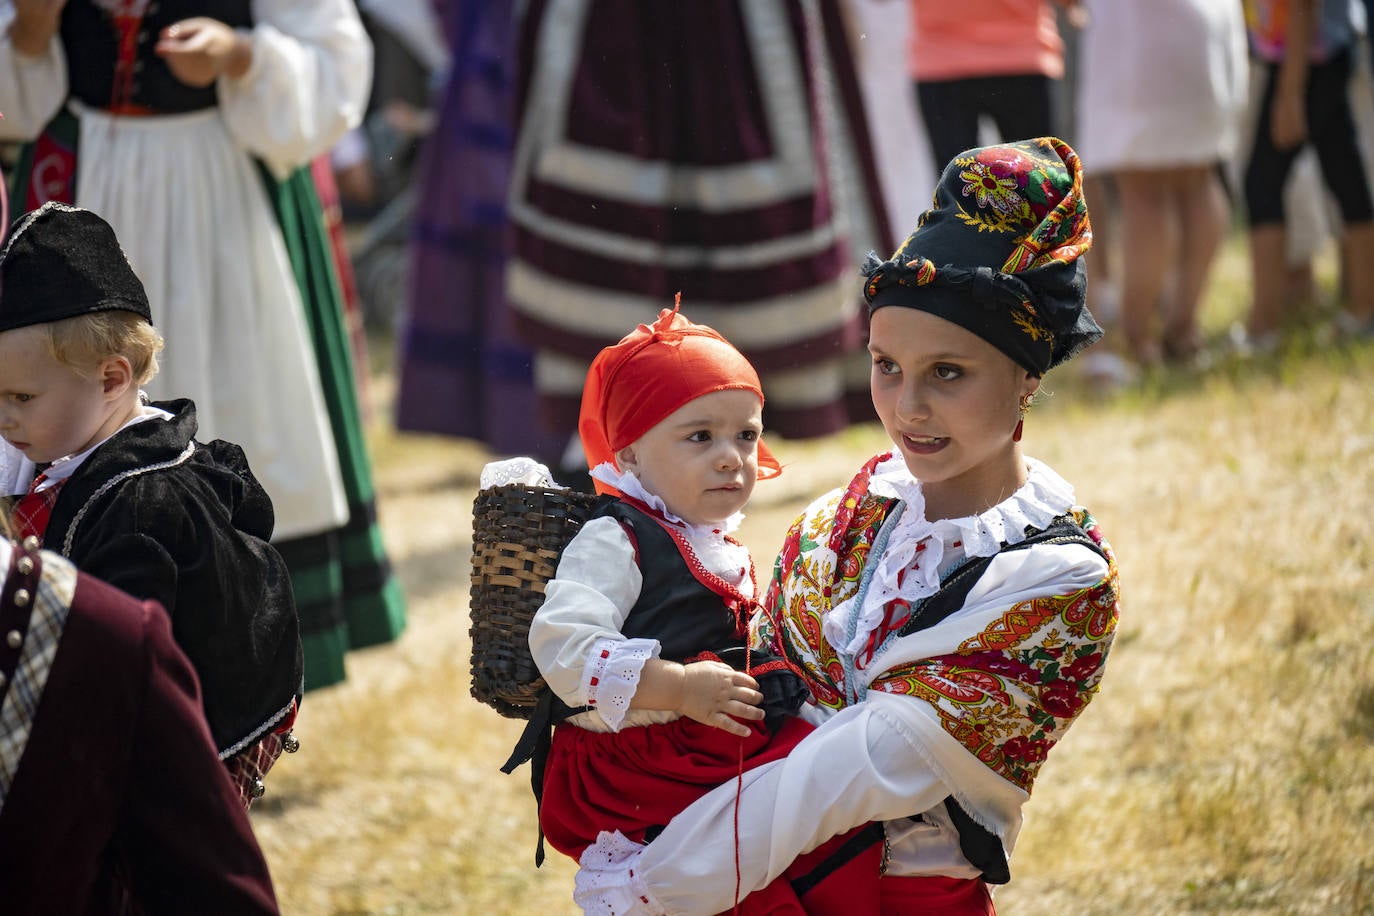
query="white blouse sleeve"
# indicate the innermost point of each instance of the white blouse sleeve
(307, 85)
(575, 636)
(31, 88)
(864, 764)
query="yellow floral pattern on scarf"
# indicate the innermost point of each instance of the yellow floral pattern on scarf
(1007, 693)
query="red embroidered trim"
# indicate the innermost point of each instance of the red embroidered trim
(739, 605)
(776, 664)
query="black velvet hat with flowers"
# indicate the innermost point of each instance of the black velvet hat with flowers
(60, 262)
(1000, 253)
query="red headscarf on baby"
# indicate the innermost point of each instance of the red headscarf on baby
(654, 370)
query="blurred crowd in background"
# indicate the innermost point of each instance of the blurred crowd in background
(1162, 100)
(529, 175)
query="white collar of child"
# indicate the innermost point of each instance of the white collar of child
(626, 482)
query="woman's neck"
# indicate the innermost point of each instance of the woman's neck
(976, 490)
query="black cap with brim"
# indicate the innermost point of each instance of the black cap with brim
(61, 262)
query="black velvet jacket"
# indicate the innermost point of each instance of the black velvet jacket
(185, 523)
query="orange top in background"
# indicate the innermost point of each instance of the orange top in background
(957, 39)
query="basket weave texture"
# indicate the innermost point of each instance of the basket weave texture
(518, 534)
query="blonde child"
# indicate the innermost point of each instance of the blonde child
(122, 488)
(642, 636)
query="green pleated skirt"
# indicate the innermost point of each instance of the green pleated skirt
(346, 592)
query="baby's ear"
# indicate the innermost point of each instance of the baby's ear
(625, 458)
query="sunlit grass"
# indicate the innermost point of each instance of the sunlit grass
(1226, 767)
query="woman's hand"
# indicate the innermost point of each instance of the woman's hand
(713, 693)
(199, 50)
(35, 23)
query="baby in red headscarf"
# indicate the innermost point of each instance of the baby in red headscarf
(643, 633)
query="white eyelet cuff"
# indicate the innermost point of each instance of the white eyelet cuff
(611, 676)
(608, 883)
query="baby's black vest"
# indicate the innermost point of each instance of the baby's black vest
(684, 615)
(674, 607)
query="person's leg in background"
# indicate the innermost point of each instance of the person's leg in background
(1333, 134)
(1149, 236)
(1021, 106)
(1265, 175)
(949, 111)
(1105, 364)
(1204, 218)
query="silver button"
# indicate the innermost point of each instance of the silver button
(31, 543)
(24, 566)
(14, 639)
(256, 788)
(290, 743)
(21, 597)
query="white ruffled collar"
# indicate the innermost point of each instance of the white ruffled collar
(920, 551)
(1042, 498)
(626, 482)
(726, 559)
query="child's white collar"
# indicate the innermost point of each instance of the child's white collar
(627, 483)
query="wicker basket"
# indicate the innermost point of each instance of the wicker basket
(518, 533)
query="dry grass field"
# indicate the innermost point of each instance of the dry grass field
(1226, 767)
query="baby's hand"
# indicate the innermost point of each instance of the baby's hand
(713, 692)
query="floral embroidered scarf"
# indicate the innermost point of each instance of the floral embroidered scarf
(1004, 679)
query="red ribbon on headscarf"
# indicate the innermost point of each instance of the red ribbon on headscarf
(653, 371)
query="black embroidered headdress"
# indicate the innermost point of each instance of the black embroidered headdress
(1000, 253)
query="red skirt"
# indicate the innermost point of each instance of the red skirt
(936, 895)
(637, 779)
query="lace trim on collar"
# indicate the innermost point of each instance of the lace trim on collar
(626, 482)
(919, 550)
(1042, 498)
(723, 556)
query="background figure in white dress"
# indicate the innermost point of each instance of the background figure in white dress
(1160, 105)
(186, 124)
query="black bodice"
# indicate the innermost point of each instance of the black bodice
(91, 43)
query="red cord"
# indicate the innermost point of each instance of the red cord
(127, 25)
(739, 789)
